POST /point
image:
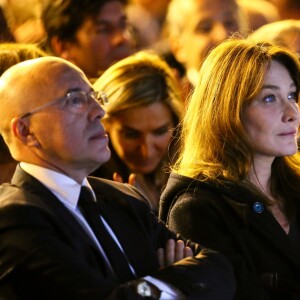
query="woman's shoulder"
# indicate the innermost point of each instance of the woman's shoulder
(182, 189)
(179, 185)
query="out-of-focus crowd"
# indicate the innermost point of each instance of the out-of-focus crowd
(190, 88)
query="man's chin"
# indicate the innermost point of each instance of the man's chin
(99, 161)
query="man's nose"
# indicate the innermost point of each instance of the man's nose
(96, 111)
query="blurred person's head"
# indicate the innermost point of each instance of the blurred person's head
(197, 26)
(92, 34)
(285, 33)
(144, 107)
(258, 13)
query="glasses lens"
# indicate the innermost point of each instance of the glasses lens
(101, 97)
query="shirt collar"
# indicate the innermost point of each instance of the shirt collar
(66, 189)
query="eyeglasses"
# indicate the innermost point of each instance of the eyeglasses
(73, 101)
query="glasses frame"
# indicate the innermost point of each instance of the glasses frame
(98, 96)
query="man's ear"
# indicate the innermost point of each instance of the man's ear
(60, 48)
(21, 132)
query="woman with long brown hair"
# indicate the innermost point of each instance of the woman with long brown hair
(236, 185)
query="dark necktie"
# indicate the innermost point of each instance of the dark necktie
(116, 257)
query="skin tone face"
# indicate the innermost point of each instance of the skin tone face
(208, 23)
(140, 141)
(56, 137)
(272, 118)
(101, 41)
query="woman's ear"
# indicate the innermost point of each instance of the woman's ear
(21, 131)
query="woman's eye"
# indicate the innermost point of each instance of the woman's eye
(293, 96)
(269, 98)
(161, 131)
(131, 134)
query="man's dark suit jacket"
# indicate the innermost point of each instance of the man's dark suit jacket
(46, 254)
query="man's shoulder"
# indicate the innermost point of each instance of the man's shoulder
(15, 196)
(111, 190)
(10, 194)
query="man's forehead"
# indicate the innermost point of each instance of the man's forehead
(43, 75)
(206, 10)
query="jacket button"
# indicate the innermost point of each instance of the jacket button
(258, 207)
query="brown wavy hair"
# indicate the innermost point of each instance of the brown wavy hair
(215, 145)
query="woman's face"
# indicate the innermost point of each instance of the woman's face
(141, 136)
(272, 119)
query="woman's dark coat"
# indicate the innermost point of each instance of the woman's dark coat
(230, 219)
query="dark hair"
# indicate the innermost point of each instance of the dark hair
(62, 18)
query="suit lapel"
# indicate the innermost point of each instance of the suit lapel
(129, 230)
(36, 194)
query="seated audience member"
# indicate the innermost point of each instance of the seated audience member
(236, 184)
(147, 19)
(24, 19)
(66, 236)
(197, 26)
(11, 54)
(285, 33)
(258, 13)
(144, 108)
(92, 34)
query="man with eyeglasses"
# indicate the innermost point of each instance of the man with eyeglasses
(64, 235)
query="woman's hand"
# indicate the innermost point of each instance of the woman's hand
(131, 180)
(173, 252)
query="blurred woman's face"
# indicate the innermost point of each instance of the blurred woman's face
(141, 136)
